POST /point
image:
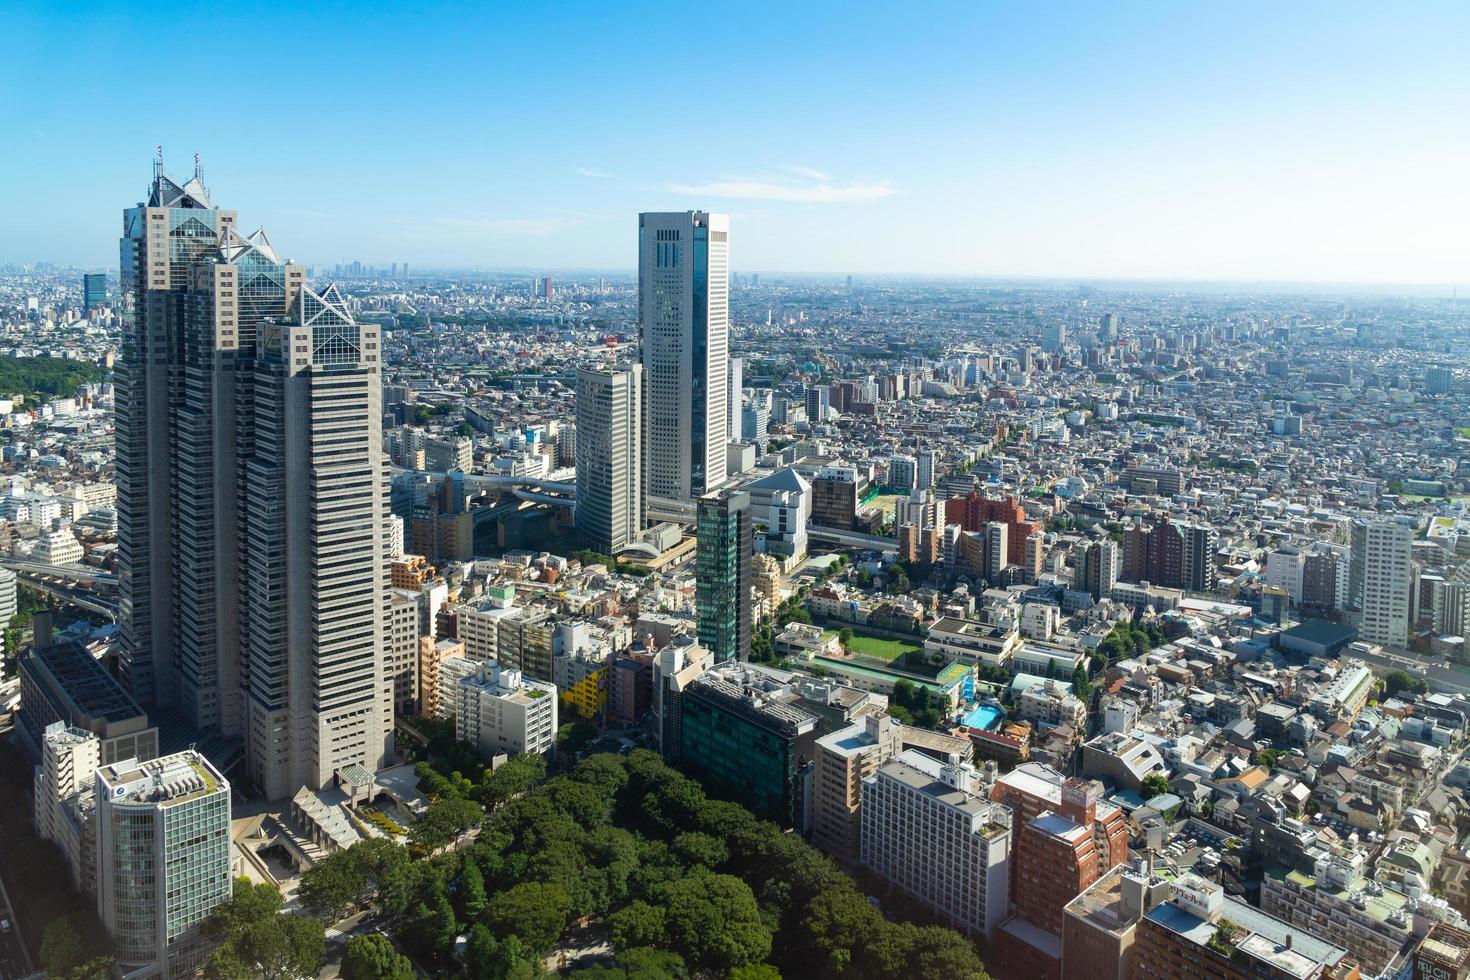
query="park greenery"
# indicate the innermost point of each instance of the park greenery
(915, 704)
(41, 379)
(1127, 639)
(1402, 684)
(622, 847)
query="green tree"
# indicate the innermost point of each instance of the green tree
(645, 963)
(255, 940)
(696, 849)
(1400, 682)
(516, 776)
(433, 924)
(714, 922)
(333, 884)
(1080, 685)
(445, 820)
(372, 957)
(837, 920)
(755, 971)
(486, 956)
(61, 946)
(534, 911)
(574, 736)
(471, 891)
(639, 924)
(844, 636)
(1154, 784)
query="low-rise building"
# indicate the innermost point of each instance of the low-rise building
(502, 712)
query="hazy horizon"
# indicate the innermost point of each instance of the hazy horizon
(1312, 144)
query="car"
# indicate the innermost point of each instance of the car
(4, 925)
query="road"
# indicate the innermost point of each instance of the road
(15, 961)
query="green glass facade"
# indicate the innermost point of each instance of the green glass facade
(722, 574)
(731, 742)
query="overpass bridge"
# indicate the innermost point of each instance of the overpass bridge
(558, 490)
(80, 585)
(850, 539)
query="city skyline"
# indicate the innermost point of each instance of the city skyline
(1155, 143)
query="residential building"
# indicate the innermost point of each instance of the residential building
(1339, 903)
(64, 801)
(1202, 932)
(502, 712)
(835, 497)
(1380, 571)
(844, 758)
(928, 828)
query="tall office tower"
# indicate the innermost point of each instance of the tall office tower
(1380, 577)
(1200, 543)
(163, 860)
(94, 290)
(722, 574)
(1437, 380)
(1108, 327)
(735, 376)
(316, 544)
(683, 315)
(227, 298)
(161, 240)
(1053, 337)
(609, 457)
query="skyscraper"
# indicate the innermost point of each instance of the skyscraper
(161, 240)
(94, 290)
(722, 574)
(316, 684)
(610, 457)
(683, 271)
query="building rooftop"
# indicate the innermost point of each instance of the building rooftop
(1265, 937)
(166, 781)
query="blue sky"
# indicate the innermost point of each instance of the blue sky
(1309, 141)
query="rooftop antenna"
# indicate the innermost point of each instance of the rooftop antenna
(158, 169)
(198, 172)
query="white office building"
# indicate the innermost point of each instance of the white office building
(683, 273)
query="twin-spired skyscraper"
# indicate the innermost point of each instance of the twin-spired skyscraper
(683, 315)
(251, 495)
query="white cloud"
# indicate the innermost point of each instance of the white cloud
(817, 190)
(528, 227)
(592, 172)
(806, 172)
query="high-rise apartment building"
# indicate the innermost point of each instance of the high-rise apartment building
(163, 860)
(928, 828)
(735, 377)
(683, 312)
(1200, 544)
(1380, 575)
(1097, 568)
(1053, 337)
(316, 547)
(610, 457)
(844, 759)
(722, 574)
